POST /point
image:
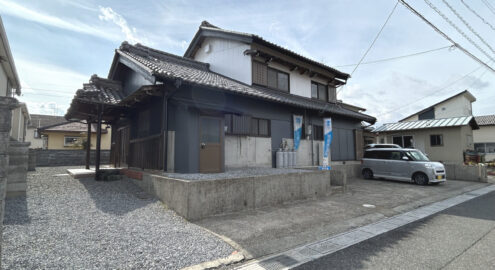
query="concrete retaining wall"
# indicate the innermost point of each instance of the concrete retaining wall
(199, 199)
(46, 158)
(475, 173)
(18, 166)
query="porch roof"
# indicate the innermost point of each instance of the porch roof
(165, 66)
(97, 91)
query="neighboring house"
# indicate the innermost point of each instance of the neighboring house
(9, 81)
(484, 138)
(38, 121)
(229, 102)
(444, 131)
(20, 121)
(71, 135)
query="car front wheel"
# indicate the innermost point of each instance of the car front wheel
(367, 174)
(420, 179)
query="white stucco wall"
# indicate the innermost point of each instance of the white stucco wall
(455, 141)
(227, 58)
(458, 106)
(455, 107)
(35, 142)
(18, 124)
(3, 82)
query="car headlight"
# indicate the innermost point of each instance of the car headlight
(427, 165)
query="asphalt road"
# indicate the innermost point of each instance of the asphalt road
(461, 237)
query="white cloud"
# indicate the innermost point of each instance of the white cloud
(109, 15)
(25, 13)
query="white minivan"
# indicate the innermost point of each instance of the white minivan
(402, 164)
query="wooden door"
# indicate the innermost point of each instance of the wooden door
(122, 147)
(210, 144)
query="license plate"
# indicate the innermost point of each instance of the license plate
(439, 176)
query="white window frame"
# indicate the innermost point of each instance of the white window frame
(71, 144)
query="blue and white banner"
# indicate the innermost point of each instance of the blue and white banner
(298, 119)
(327, 135)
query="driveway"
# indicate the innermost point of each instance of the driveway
(65, 223)
(271, 230)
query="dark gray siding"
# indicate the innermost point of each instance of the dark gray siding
(188, 103)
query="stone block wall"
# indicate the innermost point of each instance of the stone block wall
(48, 158)
(18, 166)
(6, 106)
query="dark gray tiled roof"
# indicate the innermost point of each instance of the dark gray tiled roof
(165, 65)
(485, 120)
(100, 90)
(42, 120)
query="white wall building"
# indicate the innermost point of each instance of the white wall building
(484, 138)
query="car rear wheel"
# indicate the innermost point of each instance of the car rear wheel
(367, 174)
(420, 179)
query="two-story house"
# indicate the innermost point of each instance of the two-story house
(444, 130)
(228, 102)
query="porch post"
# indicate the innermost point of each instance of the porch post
(98, 142)
(88, 144)
(165, 130)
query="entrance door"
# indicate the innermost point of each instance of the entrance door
(210, 144)
(122, 147)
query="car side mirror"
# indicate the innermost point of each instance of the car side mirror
(405, 158)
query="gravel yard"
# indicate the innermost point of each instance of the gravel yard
(65, 223)
(233, 173)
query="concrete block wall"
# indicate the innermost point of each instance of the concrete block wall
(46, 158)
(18, 166)
(6, 106)
(32, 160)
(477, 173)
(199, 199)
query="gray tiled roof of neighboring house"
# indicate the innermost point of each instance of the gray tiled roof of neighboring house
(168, 66)
(42, 120)
(485, 120)
(71, 127)
(429, 123)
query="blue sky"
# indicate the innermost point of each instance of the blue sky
(57, 45)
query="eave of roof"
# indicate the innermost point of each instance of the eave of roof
(429, 123)
(466, 92)
(166, 66)
(206, 28)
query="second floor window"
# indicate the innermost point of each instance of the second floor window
(319, 91)
(277, 79)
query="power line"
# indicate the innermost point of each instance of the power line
(467, 25)
(478, 15)
(373, 43)
(457, 29)
(44, 89)
(489, 6)
(47, 95)
(398, 57)
(445, 35)
(436, 90)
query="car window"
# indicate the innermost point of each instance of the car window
(383, 154)
(417, 156)
(395, 155)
